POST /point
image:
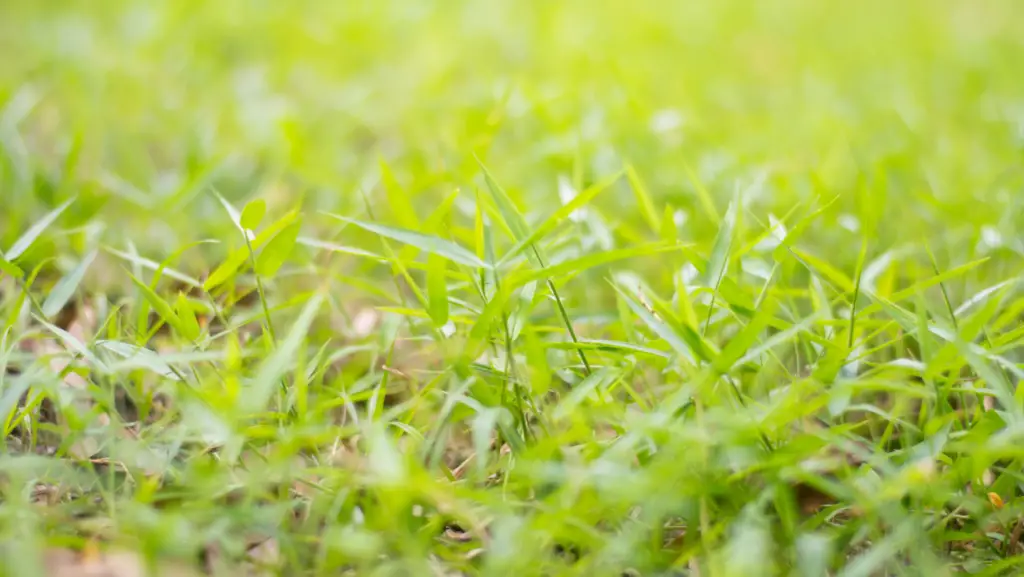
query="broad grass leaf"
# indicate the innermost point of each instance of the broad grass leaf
(253, 213)
(512, 282)
(478, 333)
(66, 286)
(748, 551)
(277, 251)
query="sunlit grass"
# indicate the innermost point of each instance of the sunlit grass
(480, 288)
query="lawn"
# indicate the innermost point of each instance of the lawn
(500, 288)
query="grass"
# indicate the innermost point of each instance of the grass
(476, 288)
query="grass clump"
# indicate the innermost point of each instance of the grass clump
(471, 289)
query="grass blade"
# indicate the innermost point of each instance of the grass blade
(425, 242)
(277, 364)
(25, 241)
(66, 287)
(239, 256)
(159, 305)
(437, 290)
(10, 268)
(253, 213)
(277, 251)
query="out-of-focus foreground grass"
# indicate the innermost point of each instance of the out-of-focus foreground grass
(694, 288)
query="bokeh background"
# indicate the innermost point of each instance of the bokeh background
(140, 106)
(907, 116)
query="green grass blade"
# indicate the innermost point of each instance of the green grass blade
(719, 258)
(437, 290)
(276, 366)
(277, 251)
(745, 339)
(425, 242)
(25, 240)
(10, 268)
(238, 257)
(398, 198)
(252, 214)
(643, 199)
(559, 216)
(66, 286)
(506, 207)
(677, 342)
(159, 305)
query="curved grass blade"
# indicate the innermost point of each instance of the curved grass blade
(30, 236)
(66, 287)
(425, 242)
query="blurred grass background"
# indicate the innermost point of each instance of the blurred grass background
(908, 114)
(794, 97)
